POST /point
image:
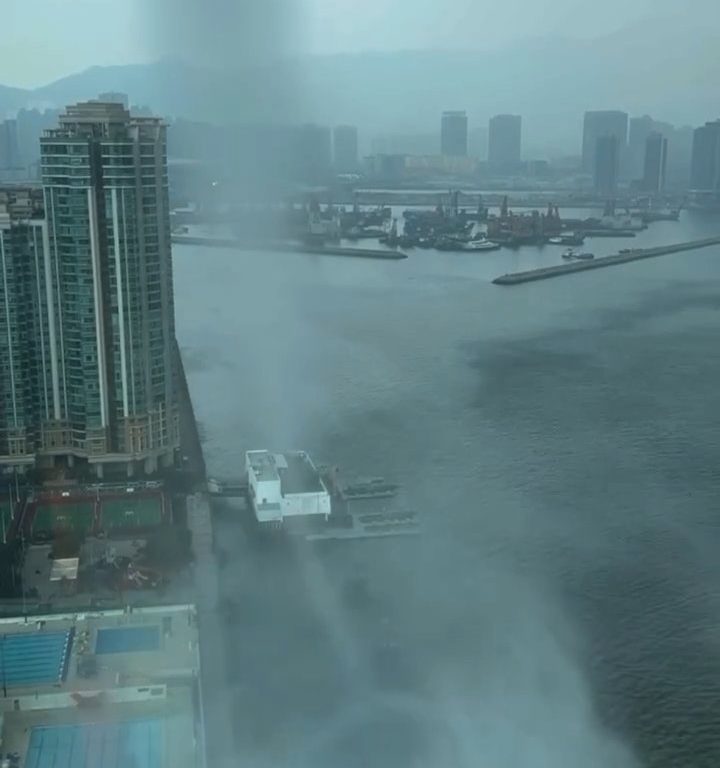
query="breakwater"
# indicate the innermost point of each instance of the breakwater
(545, 273)
(318, 250)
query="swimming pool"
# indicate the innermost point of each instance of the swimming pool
(34, 658)
(137, 743)
(127, 639)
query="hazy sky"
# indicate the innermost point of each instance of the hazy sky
(52, 38)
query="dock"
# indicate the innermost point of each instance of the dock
(545, 273)
(315, 250)
(375, 526)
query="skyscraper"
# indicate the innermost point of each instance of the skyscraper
(640, 129)
(655, 165)
(598, 124)
(454, 134)
(607, 160)
(505, 140)
(27, 361)
(705, 164)
(345, 148)
(105, 294)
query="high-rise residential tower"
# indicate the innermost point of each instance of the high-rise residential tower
(106, 292)
(27, 361)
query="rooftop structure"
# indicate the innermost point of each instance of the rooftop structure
(103, 689)
(285, 485)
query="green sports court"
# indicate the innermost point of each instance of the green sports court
(131, 512)
(51, 518)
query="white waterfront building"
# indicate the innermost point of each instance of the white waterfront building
(285, 485)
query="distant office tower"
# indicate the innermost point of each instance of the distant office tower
(680, 141)
(505, 140)
(108, 309)
(607, 159)
(454, 134)
(640, 129)
(345, 147)
(604, 123)
(9, 154)
(312, 155)
(655, 165)
(114, 97)
(705, 165)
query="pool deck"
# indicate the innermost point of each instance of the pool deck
(136, 685)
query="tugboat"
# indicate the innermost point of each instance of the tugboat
(569, 255)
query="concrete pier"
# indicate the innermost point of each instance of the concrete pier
(545, 273)
(318, 250)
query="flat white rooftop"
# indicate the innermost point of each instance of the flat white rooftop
(294, 470)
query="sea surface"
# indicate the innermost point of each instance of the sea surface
(560, 441)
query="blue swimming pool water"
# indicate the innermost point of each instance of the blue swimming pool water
(138, 743)
(34, 658)
(127, 639)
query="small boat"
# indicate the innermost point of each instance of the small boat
(571, 254)
(481, 245)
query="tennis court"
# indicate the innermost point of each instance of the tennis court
(138, 743)
(131, 512)
(34, 658)
(51, 518)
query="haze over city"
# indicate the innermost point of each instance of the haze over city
(359, 398)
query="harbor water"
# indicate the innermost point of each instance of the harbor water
(561, 444)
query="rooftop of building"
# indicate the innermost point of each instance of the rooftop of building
(299, 475)
(107, 119)
(118, 684)
(294, 470)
